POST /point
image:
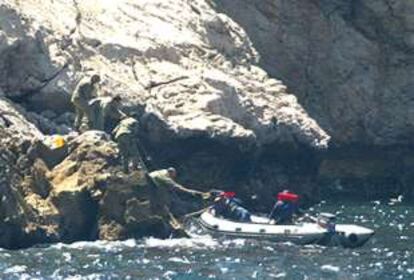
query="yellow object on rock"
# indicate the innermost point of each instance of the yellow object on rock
(58, 142)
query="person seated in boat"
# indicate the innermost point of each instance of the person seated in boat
(285, 208)
(227, 206)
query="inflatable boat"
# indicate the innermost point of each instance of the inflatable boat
(322, 230)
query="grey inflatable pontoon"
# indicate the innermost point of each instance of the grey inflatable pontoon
(315, 232)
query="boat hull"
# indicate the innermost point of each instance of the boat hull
(303, 233)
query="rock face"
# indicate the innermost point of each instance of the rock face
(220, 93)
(84, 197)
(95, 199)
(24, 220)
(350, 63)
(193, 69)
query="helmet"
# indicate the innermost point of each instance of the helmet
(228, 194)
(172, 171)
(95, 78)
(287, 196)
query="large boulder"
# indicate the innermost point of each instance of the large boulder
(26, 68)
(25, 217)
(15, 121)
(84, 197)
(95, 199)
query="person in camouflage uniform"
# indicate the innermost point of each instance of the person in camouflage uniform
(84, 92)
(163, 182)
(125, 134)
(164, 178)
(104, 111)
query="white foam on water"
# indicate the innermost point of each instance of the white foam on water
(55, 274)
(169, 274)
(237, 242)
(288, 243)
(179, 260)
(94, 276)
(72, 277)
(389, 254)
(99, 244)
(224, 270)
(15, 269)
(143, 261)
(330, 268)
(279, 275)
(67, 256)
(26, 276)
(200, 242)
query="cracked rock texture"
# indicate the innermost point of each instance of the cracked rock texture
(83, 197)
(350, 63)
(134, 44)
(193, 70)
(208, 76)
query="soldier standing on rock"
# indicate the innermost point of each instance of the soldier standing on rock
(125, 134)
(84, 92)
(104, 112)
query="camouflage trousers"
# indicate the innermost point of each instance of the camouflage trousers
(81, 111)
(129, 151)
(96, 117)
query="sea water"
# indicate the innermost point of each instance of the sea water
(387, 255)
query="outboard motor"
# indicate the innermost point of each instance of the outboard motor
(328, 221)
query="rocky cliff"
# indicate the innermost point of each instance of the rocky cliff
(220, 93)
(208, 109)
(350, 64)
(208, 78)
(84, 195)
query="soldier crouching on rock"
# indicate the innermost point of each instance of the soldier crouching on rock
(125, 134)
(163, 184)
(84, 92)
(104, 111)
(164, 178)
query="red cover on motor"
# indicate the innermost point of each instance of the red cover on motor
(287, 196)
